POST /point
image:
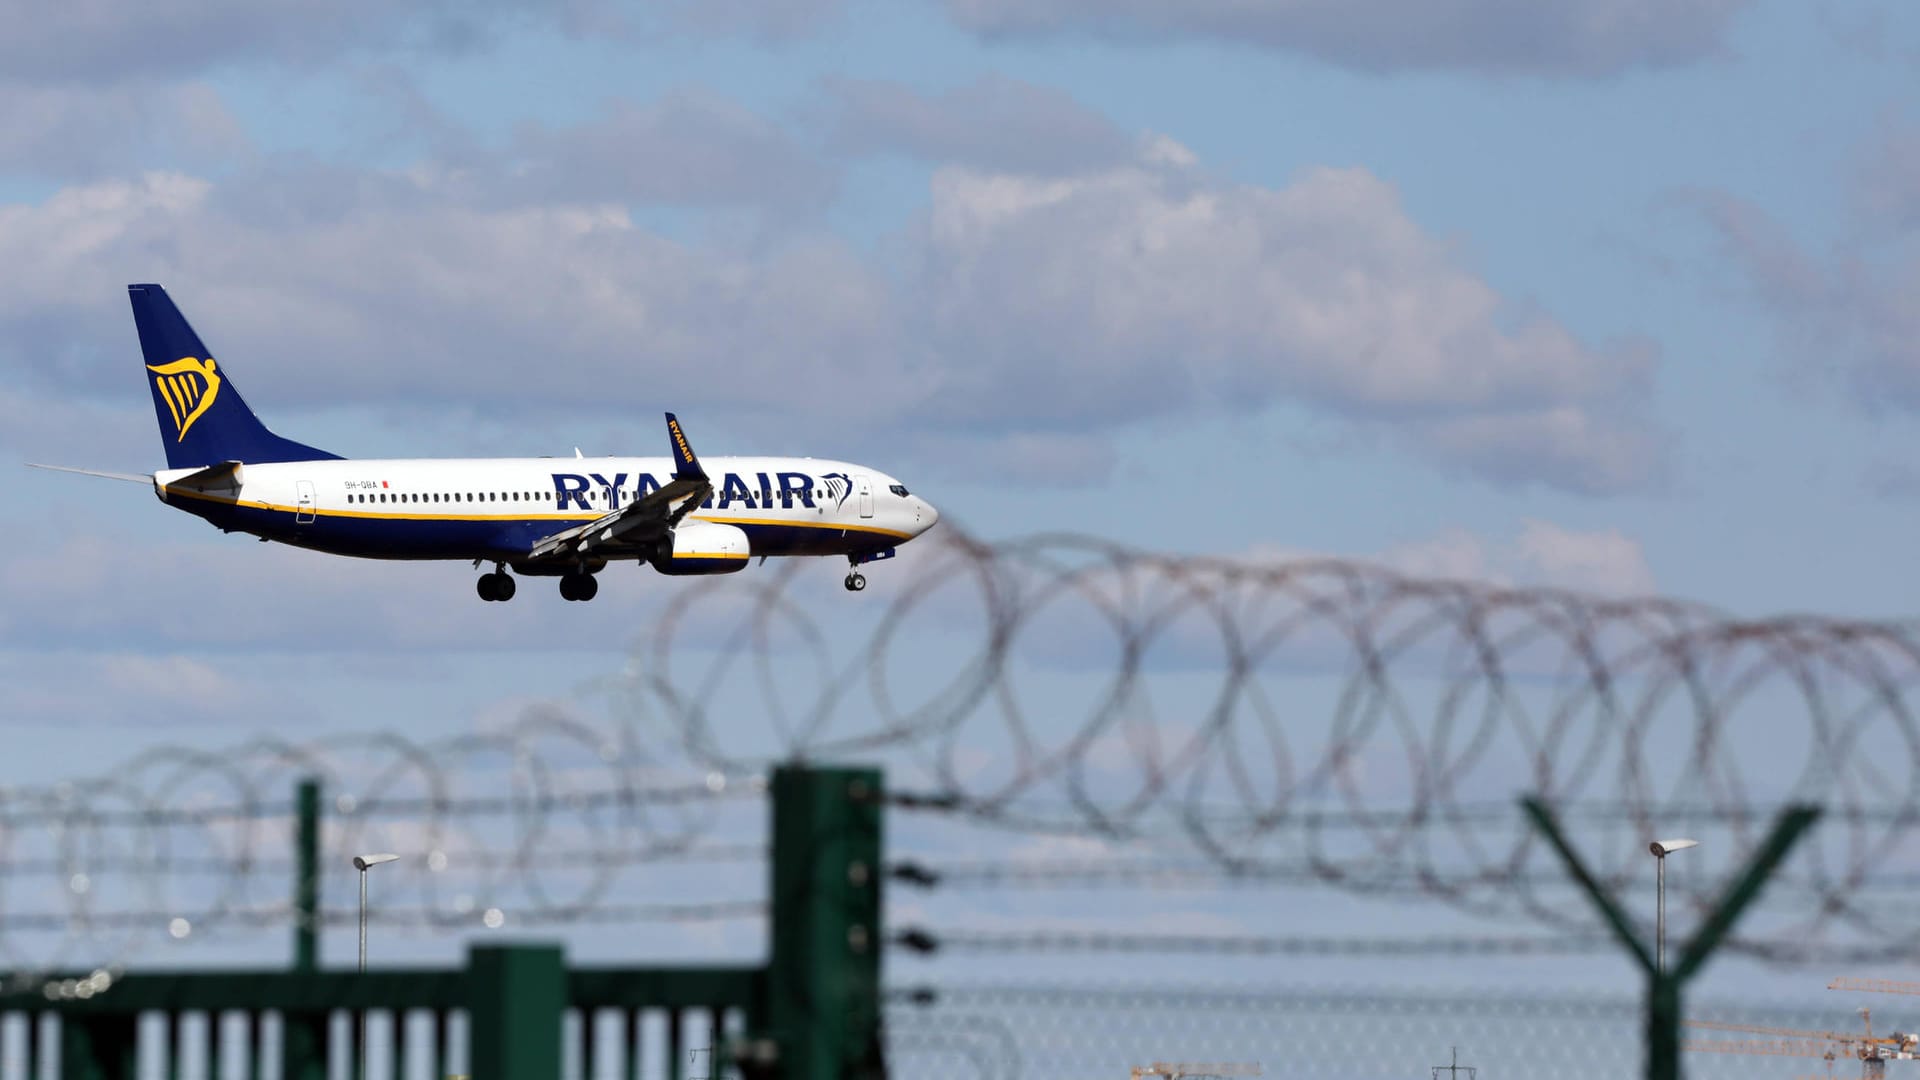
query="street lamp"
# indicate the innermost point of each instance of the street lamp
(364, 863)
(1661, 849)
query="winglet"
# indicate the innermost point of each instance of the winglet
(686, 466)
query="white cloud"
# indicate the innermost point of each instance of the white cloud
(1847, 310)
(107, 687)
(88, 130)
(688, 149)
(1580, 38)
(996, 123)
(94, 41)
(1053, 309)
(1147, 290)
(1603, 561)
(91, 591)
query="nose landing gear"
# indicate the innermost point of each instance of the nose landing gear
(497, 586)
(857, 581)
(578, 586)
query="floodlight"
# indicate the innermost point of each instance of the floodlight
(1661, 849)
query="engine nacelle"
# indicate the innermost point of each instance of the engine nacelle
(703, 547)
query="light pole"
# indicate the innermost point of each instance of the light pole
(364, 863)
(1661, 849)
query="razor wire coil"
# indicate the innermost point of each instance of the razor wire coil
(1290, 722)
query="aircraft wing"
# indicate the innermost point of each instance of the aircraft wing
(640, 521)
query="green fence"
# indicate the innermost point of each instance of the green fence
(811, 1012)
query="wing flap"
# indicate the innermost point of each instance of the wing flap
(659, 512)
(653, 516)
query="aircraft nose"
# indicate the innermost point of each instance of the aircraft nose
(927, 516)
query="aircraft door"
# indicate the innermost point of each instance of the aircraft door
(866, 497)
(303, 510)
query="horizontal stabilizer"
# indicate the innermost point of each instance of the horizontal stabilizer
(225, 474)
(129, 477)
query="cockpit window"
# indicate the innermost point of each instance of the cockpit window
(898, 489)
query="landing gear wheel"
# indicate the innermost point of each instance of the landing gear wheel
(495, 586)
(856, 581)
(578, 587)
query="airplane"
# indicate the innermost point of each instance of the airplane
(544, 517)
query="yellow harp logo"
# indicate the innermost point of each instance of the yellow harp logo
(188, 386)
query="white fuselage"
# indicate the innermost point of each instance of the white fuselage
(497, 509)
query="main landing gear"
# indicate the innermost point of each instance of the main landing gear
(578, 586)
(497, 586)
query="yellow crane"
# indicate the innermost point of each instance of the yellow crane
(1875, 986)
(1872, 1052)
(1187, 1070)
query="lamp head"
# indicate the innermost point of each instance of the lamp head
(362, 862)
(1662, 848)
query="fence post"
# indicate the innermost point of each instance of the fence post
(516, 998)
(99, 1047)
(824, 977)
(306, 882)
(303, 1046)
(1665, 990)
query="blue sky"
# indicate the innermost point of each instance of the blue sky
(1610, 294)
(1619, 197)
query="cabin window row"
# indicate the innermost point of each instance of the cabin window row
(522, 496)
(469, 496)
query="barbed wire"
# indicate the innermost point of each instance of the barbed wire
(1069, 1030)
(1030, 942)
(1285, 722)
(534, 825)
(1327, 716)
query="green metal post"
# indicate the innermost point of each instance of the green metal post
(676, 1045)
(1665, 989)
(824, 979)
(103, 1047)
(517, 997)
(303, 1045)
(397, 1049)
(306, 884)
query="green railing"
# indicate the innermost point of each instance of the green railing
(812, 1012)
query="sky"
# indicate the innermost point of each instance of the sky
(1605, 294)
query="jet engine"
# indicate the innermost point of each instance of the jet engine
(702, 547)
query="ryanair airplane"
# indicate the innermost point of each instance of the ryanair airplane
(544, 517)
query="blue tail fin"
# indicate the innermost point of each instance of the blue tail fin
(203, 418)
